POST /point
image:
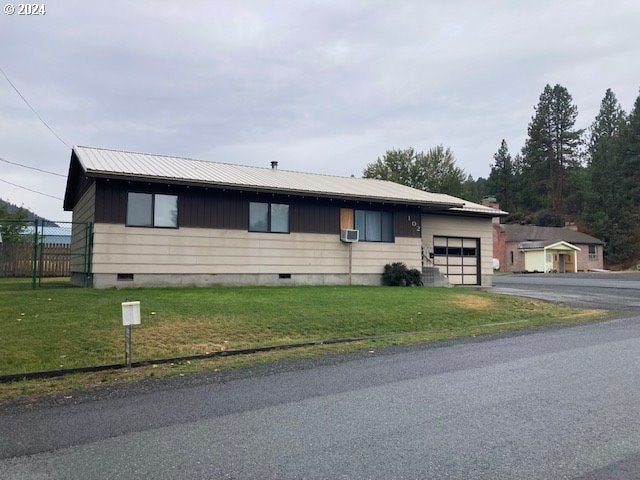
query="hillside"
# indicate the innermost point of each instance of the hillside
(11, 208)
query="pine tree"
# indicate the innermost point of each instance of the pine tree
(501, 179)
(630, 152)
(551, 148)
(605, 197)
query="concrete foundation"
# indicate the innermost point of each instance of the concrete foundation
(103, 280)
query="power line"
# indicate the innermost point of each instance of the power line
(33, 109)
(33, 168)
(34, 191)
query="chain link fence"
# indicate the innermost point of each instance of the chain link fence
(46, 252)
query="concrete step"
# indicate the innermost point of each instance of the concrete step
(432, 277)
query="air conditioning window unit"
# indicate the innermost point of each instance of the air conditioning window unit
(349, 236)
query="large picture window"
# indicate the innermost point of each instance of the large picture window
(152, 210)
(374, 226)
(268, 217)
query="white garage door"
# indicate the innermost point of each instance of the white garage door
(458, 259)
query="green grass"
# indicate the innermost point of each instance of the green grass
(51, 328)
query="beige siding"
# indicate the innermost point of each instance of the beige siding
(83, 212)
(120, 249)
(441, 225)
(535, 261)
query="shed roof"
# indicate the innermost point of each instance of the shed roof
(101, 162)
(529, 233)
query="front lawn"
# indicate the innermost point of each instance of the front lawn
(52, 328)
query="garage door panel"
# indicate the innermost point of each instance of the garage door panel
(440, 242)
(457, 258)
(438, 260)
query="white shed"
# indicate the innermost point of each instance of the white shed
(550, 256)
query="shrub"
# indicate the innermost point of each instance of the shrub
(397, 274)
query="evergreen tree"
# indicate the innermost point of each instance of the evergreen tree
(629, 227)
(501, 179)
(551, 149)
(605, 197)
(475, 190)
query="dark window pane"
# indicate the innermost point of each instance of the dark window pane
(372, 226)
(439, 250)
(360, 224)
(258, 217)
(455, 251)
(469, 252)
(279, 218)
(165, 211)
(139, 210)
(387, 227)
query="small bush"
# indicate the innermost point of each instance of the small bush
(397, 274)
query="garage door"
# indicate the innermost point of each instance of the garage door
(458, 259)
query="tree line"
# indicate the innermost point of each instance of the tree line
(590, 177)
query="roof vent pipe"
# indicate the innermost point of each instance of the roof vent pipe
(274, 165)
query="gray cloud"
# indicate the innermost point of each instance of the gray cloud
(320, 86)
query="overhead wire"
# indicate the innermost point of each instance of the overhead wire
(32, 168)
(31, 190)
(33, 109)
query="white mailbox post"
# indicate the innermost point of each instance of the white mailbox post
(130, 316)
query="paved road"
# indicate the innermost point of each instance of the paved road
(611, 291)
(560, 403)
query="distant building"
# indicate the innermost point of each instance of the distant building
(50, 235)
(530, 248)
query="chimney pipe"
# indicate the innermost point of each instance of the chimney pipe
(274, 165)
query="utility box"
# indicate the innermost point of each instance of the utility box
(130, 313)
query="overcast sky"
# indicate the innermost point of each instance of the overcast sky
(320, 86)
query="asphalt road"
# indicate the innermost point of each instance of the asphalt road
(558, 403)
(611, 291)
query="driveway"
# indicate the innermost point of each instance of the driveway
(611, 291)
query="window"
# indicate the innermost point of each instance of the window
(152, 210)
(268, 217)
(593, 252)
(374, 226)
(511, 257)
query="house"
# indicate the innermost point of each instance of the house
(161, 220)
(531, 248)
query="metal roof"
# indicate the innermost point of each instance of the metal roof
(118, 163)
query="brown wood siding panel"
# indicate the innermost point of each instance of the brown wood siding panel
(407, 223)
(314, 218)
(111, 203)
(203, 208)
